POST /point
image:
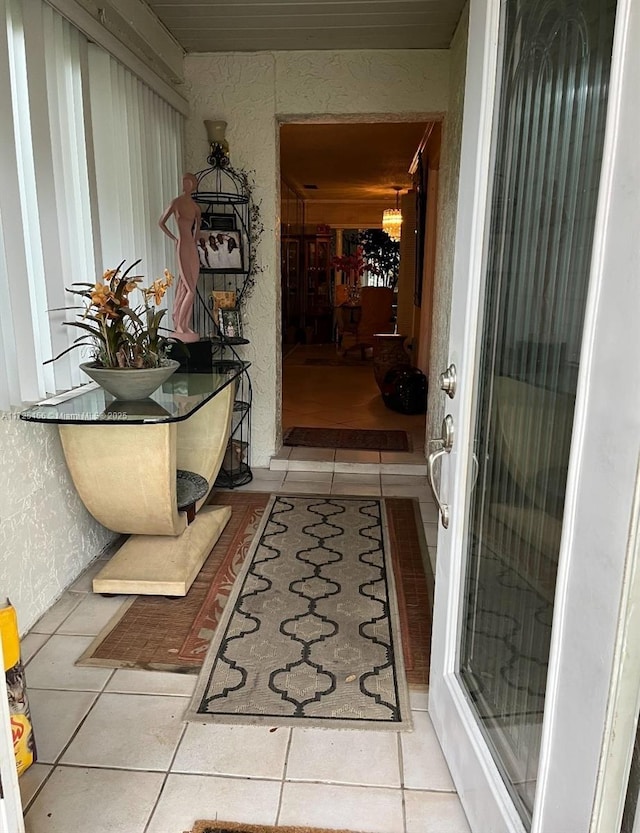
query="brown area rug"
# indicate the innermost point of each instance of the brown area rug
(158, 633)
(166, 634)
(234, 827)
(358, 438)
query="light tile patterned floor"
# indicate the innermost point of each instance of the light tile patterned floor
(116, 757)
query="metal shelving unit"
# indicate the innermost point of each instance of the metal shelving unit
(224, 196)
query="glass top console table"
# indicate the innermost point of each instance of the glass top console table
(176, 399)
(125, 458)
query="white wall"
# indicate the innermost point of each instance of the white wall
(447, 211)
(46, 535)
(252, 92)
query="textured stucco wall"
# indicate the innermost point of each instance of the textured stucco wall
(357, 82)
(46, 535)
(447, 211)
(252, 92)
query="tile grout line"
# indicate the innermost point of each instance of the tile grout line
(402, 795)
(37, 651)
(196, 774)
(60, 624)
(74, 733)
(284, 775)
(327, 782)
(37, 792)
(165, 778)
(101, 691)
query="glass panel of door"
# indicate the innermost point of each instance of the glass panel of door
(548, 147)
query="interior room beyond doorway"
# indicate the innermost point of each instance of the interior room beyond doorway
(320, 391)
(344, 280)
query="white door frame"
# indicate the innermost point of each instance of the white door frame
(599, 505)
(624, 702)
(602, 467)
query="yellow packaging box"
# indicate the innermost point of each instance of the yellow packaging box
(24, 746)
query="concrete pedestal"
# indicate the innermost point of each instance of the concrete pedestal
(126, 477)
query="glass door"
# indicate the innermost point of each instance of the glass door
(526, 599)
(548, 157)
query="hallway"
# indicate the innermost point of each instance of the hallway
(114, 754)
(322, 389)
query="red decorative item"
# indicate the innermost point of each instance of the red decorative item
(353, 266)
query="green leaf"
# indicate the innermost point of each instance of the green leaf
(77, 343)
(81, 325)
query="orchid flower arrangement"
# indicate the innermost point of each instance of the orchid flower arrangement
(353, 265)
(121, 335)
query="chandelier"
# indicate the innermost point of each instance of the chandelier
(392, 218)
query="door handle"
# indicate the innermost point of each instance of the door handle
(442, 507)
(447, 435)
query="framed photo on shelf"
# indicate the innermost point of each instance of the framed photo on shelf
(223, 299)
(229, 323)
(220, 249)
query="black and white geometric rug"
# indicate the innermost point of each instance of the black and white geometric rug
(310, 634)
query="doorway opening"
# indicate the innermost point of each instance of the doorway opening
(356, 299)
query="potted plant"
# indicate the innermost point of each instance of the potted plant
(129, 359)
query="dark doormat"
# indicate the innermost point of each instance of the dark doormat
(234, 827)
(358, 438)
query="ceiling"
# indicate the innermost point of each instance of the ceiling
(349, 162)
(255, 25)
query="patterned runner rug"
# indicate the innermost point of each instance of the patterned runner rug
(358, 438)
(311, 633)
(164, 634)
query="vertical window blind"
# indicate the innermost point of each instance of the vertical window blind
(138, 163)
(89, 157)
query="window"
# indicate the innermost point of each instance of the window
(89, 157)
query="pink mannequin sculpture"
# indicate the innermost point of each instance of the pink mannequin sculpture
(186, 213)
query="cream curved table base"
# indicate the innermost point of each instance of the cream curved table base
(126, 477)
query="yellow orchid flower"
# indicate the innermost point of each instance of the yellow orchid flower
(100, 294)
(124, 335)
(157, 289)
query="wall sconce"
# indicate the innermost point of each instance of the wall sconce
(392, 217)
(219, 147)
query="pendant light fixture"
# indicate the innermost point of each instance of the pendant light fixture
(392, 217)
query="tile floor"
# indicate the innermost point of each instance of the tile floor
(114, 754)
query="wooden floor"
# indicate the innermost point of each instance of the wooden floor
(331, 396)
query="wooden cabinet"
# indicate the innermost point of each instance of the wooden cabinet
(319, 288)
(318, 274)
(307, 288)
(292, 295)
